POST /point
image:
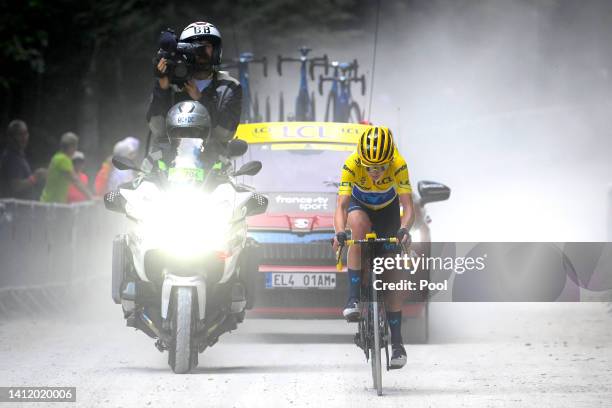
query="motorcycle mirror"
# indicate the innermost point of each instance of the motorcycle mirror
(237, 147)
(431, 191)
(123, 163)
(256, 204)
(243, 188)
(248, 169)
(114, 201)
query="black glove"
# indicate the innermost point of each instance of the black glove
(401, 233)
(341, 237)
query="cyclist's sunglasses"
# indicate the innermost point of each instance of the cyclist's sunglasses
(375, 169)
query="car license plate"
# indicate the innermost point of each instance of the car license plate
(300, 280)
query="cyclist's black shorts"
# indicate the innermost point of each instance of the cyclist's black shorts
(385, 222)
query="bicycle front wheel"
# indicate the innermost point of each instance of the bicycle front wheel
(376, 352)
(355, 115)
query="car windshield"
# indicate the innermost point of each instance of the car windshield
(296, 167)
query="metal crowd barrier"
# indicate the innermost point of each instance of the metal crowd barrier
(47, 248)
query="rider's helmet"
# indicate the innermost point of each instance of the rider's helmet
(376, 146)
(201, 30)
(188, 119)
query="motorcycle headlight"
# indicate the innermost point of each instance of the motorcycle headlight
(189, 223)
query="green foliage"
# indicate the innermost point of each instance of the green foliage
(58, 57)
(37, 32)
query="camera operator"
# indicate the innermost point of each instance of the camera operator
(216, 90)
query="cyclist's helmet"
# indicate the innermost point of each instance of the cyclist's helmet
(376, 146)
(201, 30)
(188, 119)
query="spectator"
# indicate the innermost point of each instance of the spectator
(127, 148)
(16, 177)
(101, 181)
(61, 172)
(78, 162)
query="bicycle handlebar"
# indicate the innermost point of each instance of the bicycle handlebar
(279, 63)
(349, 80)
(264, 62)
(321, 80)
(319, 62)
(349, 242)
(362, 80)
(247, 58)
(390, 240)
(355, 67)
(303, 58)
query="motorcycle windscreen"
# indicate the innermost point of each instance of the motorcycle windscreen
(188, 166)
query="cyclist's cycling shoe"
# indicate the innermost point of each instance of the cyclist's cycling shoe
(398, 357)
(351, 310)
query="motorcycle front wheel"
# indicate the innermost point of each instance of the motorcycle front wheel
(183, 352)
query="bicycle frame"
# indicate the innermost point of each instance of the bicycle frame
(339, 96)
(250, 108)
(304, 103)
(373, 328)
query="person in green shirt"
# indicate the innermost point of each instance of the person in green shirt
(61, 172)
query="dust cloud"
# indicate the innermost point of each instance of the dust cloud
(508, 103)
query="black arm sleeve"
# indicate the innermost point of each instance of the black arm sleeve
(224, 103)
(230, 108)
(161, 100)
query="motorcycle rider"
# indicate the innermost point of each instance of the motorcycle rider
(373, 184)
(216, 90)
(189, 119)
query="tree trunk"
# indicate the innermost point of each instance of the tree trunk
(88, 118)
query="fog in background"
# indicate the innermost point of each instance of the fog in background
(508, 103)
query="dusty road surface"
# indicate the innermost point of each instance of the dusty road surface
(481, 355)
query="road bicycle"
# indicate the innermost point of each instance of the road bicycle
(373, 329)
(305, 102)
(340, 103)
(250, 105)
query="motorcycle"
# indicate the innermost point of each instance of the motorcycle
(178, 272)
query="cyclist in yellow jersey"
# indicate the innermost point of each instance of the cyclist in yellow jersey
(374, 183)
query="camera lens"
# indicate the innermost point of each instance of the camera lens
(181, 71)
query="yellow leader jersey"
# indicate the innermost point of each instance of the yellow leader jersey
(355, 181)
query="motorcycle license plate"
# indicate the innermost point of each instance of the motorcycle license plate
(290, 280)
(186, 175)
